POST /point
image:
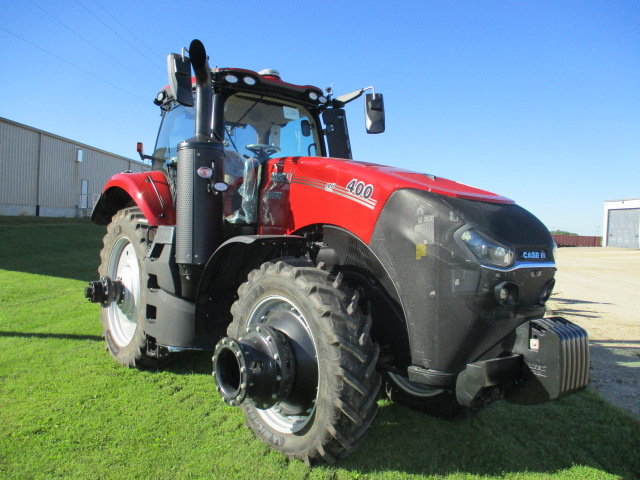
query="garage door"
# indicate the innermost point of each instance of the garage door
(624, 228)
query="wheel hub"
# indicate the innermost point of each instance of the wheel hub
(104, 291)
(286, 413)
(123, 311)
(260, 367)
(126, 304)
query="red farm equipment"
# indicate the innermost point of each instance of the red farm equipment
(319, 282)
(577, 241)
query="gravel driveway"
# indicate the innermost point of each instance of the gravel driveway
(599, 289)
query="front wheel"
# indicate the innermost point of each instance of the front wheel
(122, 259)
(332, 399)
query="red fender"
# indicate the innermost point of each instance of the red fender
(149, 190)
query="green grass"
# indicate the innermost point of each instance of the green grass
(67, 410)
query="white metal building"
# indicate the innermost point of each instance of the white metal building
(622, 223)
(47, 175)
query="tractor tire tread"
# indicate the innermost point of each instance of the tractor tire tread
(350, 364)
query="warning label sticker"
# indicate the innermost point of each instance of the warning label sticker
(291, 113)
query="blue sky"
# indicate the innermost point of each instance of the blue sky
(538, 101)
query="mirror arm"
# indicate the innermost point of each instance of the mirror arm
(140, 150)
(342, 100)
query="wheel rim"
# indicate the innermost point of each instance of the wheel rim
(123, 315)
(412, 388)
(282, 314)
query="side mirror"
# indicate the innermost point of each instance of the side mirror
(374, 112)
(180, 86)
(305, 127)
(140, 150)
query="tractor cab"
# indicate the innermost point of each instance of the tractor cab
(251, 121)
(254, 127)
(257, 117)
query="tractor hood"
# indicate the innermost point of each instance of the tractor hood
(422, 181)
(305, 191)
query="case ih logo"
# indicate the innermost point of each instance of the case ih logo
(533, 255)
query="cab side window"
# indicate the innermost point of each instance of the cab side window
(178, 125)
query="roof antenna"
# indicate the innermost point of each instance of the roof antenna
(329, 90)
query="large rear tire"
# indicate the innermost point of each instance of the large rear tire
(125, 247)
(333, 398)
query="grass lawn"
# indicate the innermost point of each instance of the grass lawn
(67, 410)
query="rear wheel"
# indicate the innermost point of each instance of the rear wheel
(333, 397)
(122, 259)
(434, 401)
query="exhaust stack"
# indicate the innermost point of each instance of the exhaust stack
(198, 206)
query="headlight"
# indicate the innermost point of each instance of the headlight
(487, 251)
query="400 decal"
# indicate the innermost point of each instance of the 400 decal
(360, 189)
(356, 190)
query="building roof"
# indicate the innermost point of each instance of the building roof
(80, 144)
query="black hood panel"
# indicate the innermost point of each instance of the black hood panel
(448, 298)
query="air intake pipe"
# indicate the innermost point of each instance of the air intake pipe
(198, 206)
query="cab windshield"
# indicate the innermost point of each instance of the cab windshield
(250, 122)
(287, 128)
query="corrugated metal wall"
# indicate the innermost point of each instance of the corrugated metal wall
(39, 168)
(18, 164)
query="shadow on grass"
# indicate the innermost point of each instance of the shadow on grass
(580, 430)
(61, 336)
(55, 247)
(189, 363)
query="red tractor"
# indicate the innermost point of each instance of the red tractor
(319, 281)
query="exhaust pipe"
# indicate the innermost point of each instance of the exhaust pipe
(204, 97)
(198, 208)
